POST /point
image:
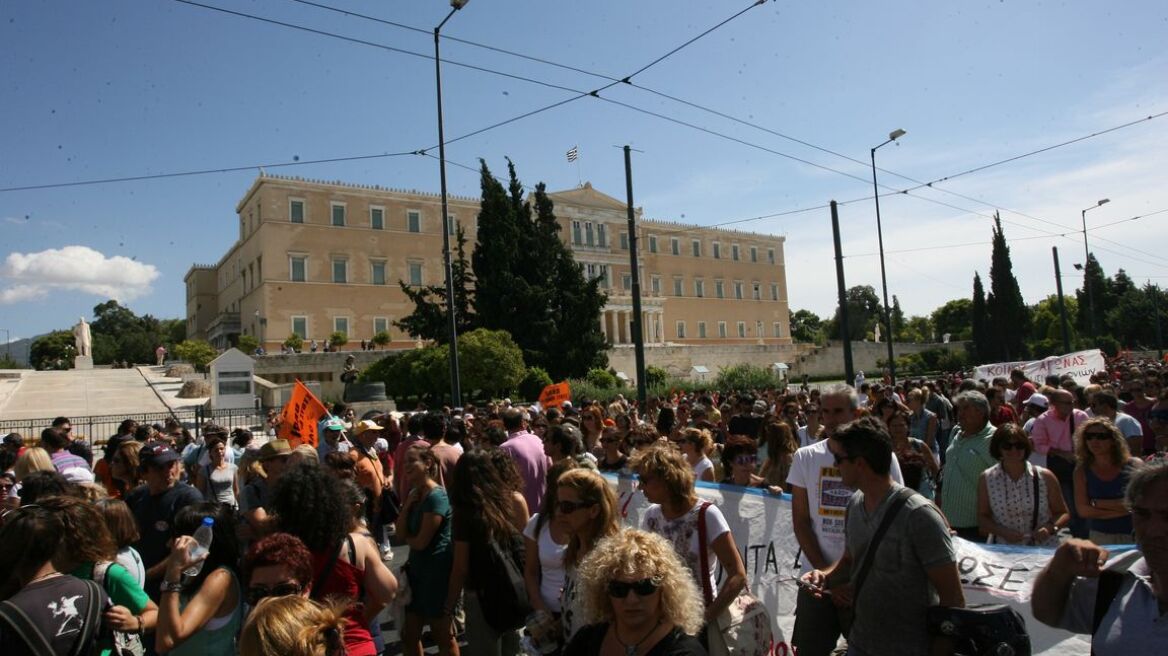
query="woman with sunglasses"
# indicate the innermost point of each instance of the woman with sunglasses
(278, 565)
(694, 444)
(1104, 466)
(739, 460)
(1006, 494)
(545, 541)
(917, 463)
(638, 599)
(667, 481)
(613, 459)
(591, 425)
(587, 512)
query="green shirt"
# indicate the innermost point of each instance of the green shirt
(122, 589)
(965, 459)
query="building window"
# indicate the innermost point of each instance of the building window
(377, 218)
(677, 288)
(674, 246)
(717, 251)
(451, 224)
(771, 255)
(652, 243)
(380, 325)
(757, 292)
(702, 329)
(742, 329)
(340, 270)
(577, 233)
(778, 329)
(338, 214)
(738, 290)
(341, 325)
(606, 280)
(624, 241)
(700, 288)
(774, 291)
(626, 282)
(296, 211)
(377, 276)
(300, 327)
(415, 269)
(719, 289)
(590, 271)
(298, 268)
(697, 248)
(589, 238)
(753, 254)
(414, 221)
(656, 285)
(681, 330)
(722, 329)
(734, 252)
(601, 235)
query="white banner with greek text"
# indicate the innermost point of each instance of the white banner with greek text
(1080, 365)
(761, 525)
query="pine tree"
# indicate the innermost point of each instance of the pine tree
(1100, 287)
(981, 347)
(897, 320)
(1008, 316)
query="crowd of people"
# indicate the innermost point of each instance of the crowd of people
(515, 539)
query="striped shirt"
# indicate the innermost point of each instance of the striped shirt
(965, 459)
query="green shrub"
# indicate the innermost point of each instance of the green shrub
(655, 377)
(248, 344)
(338, 339)
(744, 377)
(601, 379)
(294, 342)
(533, 383)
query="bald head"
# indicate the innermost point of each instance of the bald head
(1063, 402)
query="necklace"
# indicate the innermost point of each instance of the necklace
(631, 650)
(42, 577)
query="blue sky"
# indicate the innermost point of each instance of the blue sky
(127, 88)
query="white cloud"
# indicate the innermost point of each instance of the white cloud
(74, 268)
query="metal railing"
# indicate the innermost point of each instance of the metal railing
(94, 430)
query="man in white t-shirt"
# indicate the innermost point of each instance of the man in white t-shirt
(819, 500)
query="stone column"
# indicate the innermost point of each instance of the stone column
(604, 324)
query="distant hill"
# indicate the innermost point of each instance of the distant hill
(19, 348)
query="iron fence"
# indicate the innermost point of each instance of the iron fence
(94, 430)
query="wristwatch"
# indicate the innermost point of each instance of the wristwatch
(167, 586)
(1092, 502)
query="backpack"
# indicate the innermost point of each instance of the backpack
(125, 644)
(36, 642)
(501, 588)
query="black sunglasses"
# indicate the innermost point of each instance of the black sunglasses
(1097, 435)
(643, 588)
(257, 592)
(1021, 446)
(569, 507)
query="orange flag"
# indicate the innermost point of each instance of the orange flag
(298, 422)
(553, 396)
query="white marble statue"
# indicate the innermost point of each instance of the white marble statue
(83, 339)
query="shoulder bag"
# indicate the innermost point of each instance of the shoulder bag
(125, 643)
(502, 589)
(36, 641)
(744, 628)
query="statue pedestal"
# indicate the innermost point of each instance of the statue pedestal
(83, 362)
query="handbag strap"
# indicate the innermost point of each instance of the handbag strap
(704, 555)
(902, 497)
(1034, 519)
(325, 573)
(92, 618)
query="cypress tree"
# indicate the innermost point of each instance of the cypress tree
(1008, 315)
(977, 311)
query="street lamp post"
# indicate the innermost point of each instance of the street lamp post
(1086, 273)
(455, 384)
(892, 136)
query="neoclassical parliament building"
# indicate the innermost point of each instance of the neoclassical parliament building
(316, 257)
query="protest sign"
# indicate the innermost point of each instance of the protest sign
(553, 396)
(762, 530)
(298, 422)
(1080, 365)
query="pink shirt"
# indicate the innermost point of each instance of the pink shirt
(1050, 432)
(526, 450)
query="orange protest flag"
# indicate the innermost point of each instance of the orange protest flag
(553, 396)
(298, 422)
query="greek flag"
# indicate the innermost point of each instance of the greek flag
(573, 154)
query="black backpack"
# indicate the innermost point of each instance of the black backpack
(989, 629)
(501, 588)
(91, 630)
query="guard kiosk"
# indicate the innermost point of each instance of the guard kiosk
(231, 380)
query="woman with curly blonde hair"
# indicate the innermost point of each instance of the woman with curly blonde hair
(667, 481)
(1101, 475)
(637, 598)
(294, 626)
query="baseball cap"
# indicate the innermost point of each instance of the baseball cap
(366, 425)
(332, 423)
(1039, 400)
(156, 455)
(760, 407)
(78, 475)
(275, 449)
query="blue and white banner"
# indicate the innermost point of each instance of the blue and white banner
(761, 524)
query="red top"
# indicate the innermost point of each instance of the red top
(346, 581)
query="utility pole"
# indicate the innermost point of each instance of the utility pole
(1058, 281)
(849, 369)
(637, 325)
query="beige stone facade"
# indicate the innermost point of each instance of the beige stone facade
(316, 257)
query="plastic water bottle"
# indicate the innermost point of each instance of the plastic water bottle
(202, 545)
